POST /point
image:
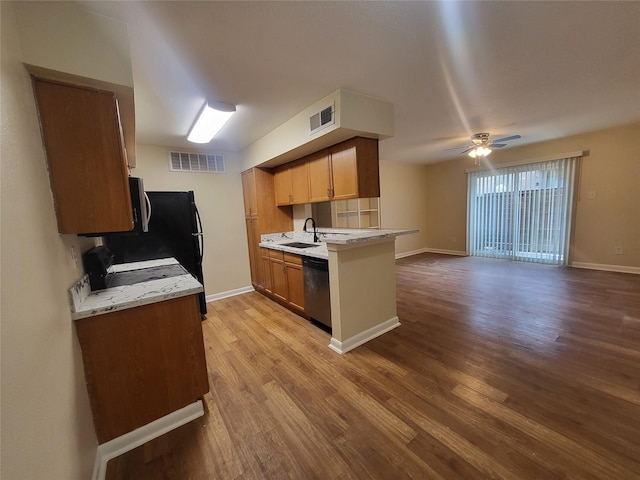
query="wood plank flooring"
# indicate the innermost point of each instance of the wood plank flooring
(500, 370)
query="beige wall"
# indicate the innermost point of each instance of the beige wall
(446, 200)
(60, 36)
(611, 170)
(219, 200)
(47, 430)
(403, 203)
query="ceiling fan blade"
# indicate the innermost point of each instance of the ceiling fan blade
(458, 147)
(506, 139)
(497, 145)
(468, 149)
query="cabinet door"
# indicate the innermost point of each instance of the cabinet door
(319, 176)
(295, 282)
(266, 271)
(255, 261)
(85, 152)
(344, 170)
(282, 181)
(278, 279)
(299, 173)
(249, 193)
(142, 363)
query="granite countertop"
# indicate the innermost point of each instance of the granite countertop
(277, 241)
(84, 303)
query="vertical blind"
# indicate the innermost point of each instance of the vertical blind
(522, 212)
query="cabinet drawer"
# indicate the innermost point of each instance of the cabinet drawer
(277, 254)
(292, 258)
(264, 252)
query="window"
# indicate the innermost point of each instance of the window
(522, 212)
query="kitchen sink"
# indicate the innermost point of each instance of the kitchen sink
(299, 245)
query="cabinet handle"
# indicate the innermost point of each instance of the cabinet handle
(290, 198)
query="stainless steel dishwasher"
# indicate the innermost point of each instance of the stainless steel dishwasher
(317, 300)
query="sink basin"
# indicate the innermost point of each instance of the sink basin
(299, 245)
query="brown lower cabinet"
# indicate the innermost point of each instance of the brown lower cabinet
(142, 363)
(266, 270)
(295, 281)
(285, 278)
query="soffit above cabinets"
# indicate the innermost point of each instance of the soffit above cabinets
(354, 115)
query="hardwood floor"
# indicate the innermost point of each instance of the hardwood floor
(500, 370)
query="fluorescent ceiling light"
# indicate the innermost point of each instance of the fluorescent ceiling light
(211, 119)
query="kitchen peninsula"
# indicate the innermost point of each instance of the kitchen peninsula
(361, 279)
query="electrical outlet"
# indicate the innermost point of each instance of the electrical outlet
(73, 255)
(454, 240)
(591, 195)
(617, 250)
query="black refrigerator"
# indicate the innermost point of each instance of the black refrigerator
(175, 230)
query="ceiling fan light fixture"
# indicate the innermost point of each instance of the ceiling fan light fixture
(479, 152)
(212, 117)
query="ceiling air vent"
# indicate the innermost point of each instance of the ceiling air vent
(322, 119)
(195, 162)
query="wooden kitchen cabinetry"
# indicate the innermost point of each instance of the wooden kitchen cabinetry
(279, 287)
(142, 363)
(346, 170)
(261, 216)
(292, 183)
(295, 281)
(86, 157)
(287, 280)
(253, 238)
(266, 271)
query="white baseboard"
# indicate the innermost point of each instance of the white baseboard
(607, 268)
(411, 253)
(142, 435)
(363, 337)
(229, 293)
(459, 253)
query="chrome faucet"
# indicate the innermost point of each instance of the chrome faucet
(313, 224)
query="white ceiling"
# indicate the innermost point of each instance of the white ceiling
(539, 69)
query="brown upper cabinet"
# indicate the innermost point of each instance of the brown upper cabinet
(292, 183)
(86, 156)
(346, 170)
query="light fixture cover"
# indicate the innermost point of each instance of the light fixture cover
(211, 119)
(479, 152)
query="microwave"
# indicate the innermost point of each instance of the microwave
(140, 205)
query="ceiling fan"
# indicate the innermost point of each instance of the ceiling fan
(481, 145)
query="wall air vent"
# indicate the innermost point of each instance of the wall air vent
(322, 119)
(195, 162)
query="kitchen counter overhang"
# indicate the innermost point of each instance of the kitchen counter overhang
(85, 303)
(330, 238)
